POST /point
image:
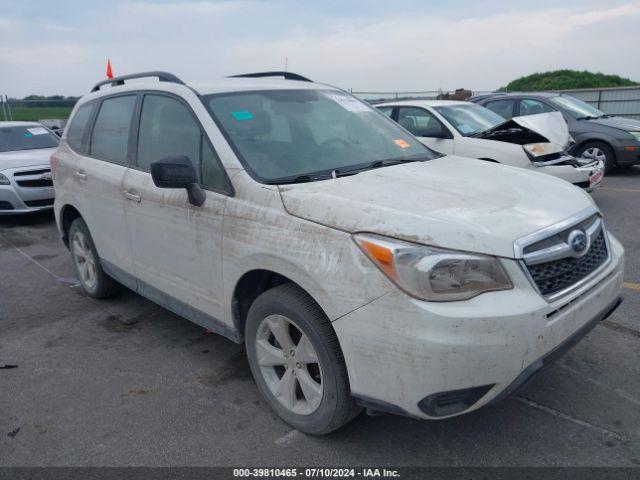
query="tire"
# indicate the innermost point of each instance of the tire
(598, 151)
(295, 316)
(86, 261)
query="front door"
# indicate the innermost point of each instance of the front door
(177, 247)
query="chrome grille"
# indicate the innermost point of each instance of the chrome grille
(556, 264)
(35, 178)
(555, 276)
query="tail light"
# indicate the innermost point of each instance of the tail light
(53, 161)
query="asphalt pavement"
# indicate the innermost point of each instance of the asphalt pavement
(124, 382)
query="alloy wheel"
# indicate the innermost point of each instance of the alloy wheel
(85, 260)
(594, 153)
(289, 364)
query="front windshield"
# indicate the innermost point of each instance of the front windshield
(28, 137)
(576, 108)
(290, 133)
(469, 119)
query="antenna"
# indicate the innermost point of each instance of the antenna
(286, 62)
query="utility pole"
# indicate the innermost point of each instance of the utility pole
(9, 108)
(4, 112)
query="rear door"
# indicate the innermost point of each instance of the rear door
(177, 247)
(98, 177)
(429, 129)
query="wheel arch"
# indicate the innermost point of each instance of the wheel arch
(250, 286)
(576, 148)
(68, 213)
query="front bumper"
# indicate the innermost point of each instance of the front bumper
(15, 199)
(399, 351)
(628, 154)
(587, 177)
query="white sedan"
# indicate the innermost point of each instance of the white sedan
(25, 173)
(535, 142)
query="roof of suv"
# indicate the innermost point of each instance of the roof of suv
(246, 82)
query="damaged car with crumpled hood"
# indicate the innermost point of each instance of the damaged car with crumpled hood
(536, 142)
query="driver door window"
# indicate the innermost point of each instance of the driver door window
(420, 122)
(533, 107)
(427, 128)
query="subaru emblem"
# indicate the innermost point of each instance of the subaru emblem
(578, 242)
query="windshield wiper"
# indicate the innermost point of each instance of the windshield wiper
(340, 172)
(298, 179)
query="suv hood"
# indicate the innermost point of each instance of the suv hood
(626, 124)
(25, 158)
(543, 127)
(452, 202)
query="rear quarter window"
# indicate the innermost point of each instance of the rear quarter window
(78, 127)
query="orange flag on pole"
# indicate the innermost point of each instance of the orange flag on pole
(109, 72)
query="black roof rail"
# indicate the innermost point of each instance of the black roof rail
(115, 81)
(285, 75)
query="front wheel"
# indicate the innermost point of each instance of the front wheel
(296, 361)
(598, 151)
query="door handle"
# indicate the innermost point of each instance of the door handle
(132, 196)
(80, 175)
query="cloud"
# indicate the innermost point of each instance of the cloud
(43, 54)
(420, 49)
(183, 8)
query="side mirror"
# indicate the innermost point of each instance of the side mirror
(178, 172)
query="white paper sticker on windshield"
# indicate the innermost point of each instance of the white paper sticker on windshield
(464, 128)
(349, 103)
(37, 131)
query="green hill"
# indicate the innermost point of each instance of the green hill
(566, 79)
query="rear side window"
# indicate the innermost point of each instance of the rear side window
(533, 107)
(167, 127)
(504, 108)
(78, 127)
(110, 135)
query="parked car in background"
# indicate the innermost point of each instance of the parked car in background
(537, 142)
(598, 136)
(358, 267)
(25, 174)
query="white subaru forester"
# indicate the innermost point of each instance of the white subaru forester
(358, 267)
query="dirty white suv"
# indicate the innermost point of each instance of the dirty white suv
(358, 267)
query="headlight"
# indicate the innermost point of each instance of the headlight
(636, 135)
(541, 149)
(434, 274)
(4, 180)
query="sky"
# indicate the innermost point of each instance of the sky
(62, 46)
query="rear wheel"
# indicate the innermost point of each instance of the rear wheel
(296, 361)
(599, 151)
(85, 258)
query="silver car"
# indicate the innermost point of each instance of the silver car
(25, 173)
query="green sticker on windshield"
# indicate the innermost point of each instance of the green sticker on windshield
(242, 115)
(28, 135)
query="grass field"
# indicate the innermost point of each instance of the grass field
(38, 113)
